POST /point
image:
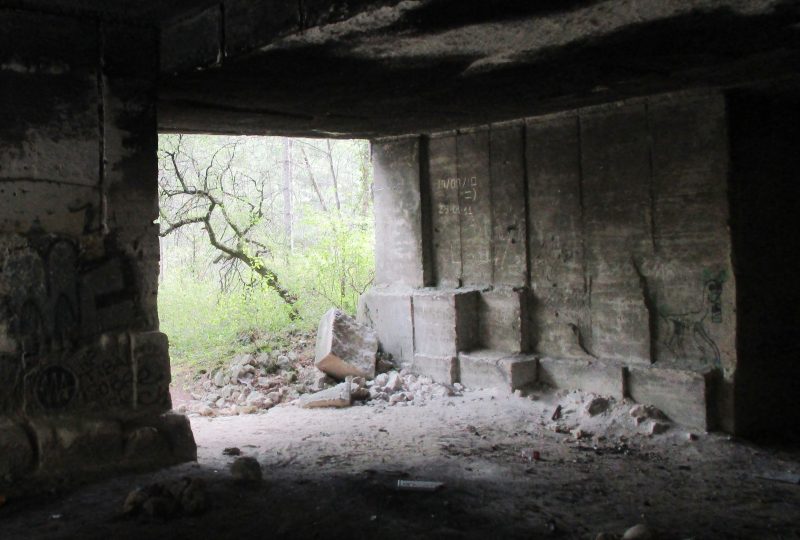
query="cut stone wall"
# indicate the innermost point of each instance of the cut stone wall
(594, 236)
(82, 364)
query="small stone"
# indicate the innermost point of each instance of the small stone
(246, 469)
(381, 379)
(691, 437)
(458, 387)
(638, 532)
(221, 378)
(220, 402)
(657, 428)
(134, 501)
(284, 362)
(232, 451)
(292, 356)
(596, 405)
(205, 410)
(397, 398)
(256, 399)
(606, 536)
(394, 383)
(274, 397)
(245, 409)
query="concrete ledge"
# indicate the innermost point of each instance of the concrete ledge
(442, 369)
(496, 369)
(588, 375)
(503, 323)
(445, 321)
(682, 395)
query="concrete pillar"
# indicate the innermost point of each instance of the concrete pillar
(82, 364)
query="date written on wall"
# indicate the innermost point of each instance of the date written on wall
(468, 191)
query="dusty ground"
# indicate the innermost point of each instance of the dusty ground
(333, 474)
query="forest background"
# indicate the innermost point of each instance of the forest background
(259, 237)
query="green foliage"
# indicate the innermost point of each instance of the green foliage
(213, 307)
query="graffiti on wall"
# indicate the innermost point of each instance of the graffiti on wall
(687, 333)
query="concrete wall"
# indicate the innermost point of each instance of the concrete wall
(84, 372)
(594, 236)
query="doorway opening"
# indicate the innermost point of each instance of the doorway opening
(260, 236)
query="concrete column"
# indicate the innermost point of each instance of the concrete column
(83, 368)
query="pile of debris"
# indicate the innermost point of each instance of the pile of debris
(387, 389)
(348, 351)
(253, 382)
(590, 416)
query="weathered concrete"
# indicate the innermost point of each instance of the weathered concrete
(445, 321)
(595, 376)
(684, 396)
(389, 313)
(345, 346)
(486, 369)
(503, 320)
(442, 369)
(80, 353)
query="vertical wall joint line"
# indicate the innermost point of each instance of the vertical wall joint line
(101, 128)
(650, 185)
(527, 204)
(426, 211)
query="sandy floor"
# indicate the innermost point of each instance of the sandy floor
(333, 474)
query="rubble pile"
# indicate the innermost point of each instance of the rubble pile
(401, 388)
(590, 416)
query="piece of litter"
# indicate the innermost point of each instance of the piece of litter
(780, 476)
(418, 485)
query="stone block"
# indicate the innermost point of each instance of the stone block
(445, 322)
(389, 314)
(496, 369)
(338, 396)
(594, 376)
(69, 444)
(503, 320)
(683, 395)
(345, 346)
(16, 453)
(442, 369)
(151, 365)
(173, 428)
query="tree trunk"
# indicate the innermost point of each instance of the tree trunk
(287, 192)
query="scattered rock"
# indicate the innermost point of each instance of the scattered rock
(640, 413)
(221, 378)
(596, 405)
(345, 347)
(656, 428)
(246, 469)
(232, 451)
(638, 532)
(163, 501)
(338, 396)
(556, 414)
(205, 410)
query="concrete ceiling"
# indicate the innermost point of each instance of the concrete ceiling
(382, 67)
(370, 68)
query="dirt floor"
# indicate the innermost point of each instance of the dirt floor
(333, 473)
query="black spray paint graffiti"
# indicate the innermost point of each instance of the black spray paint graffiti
(687, 334)
(55, 387)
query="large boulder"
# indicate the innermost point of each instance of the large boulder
(345, 347)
